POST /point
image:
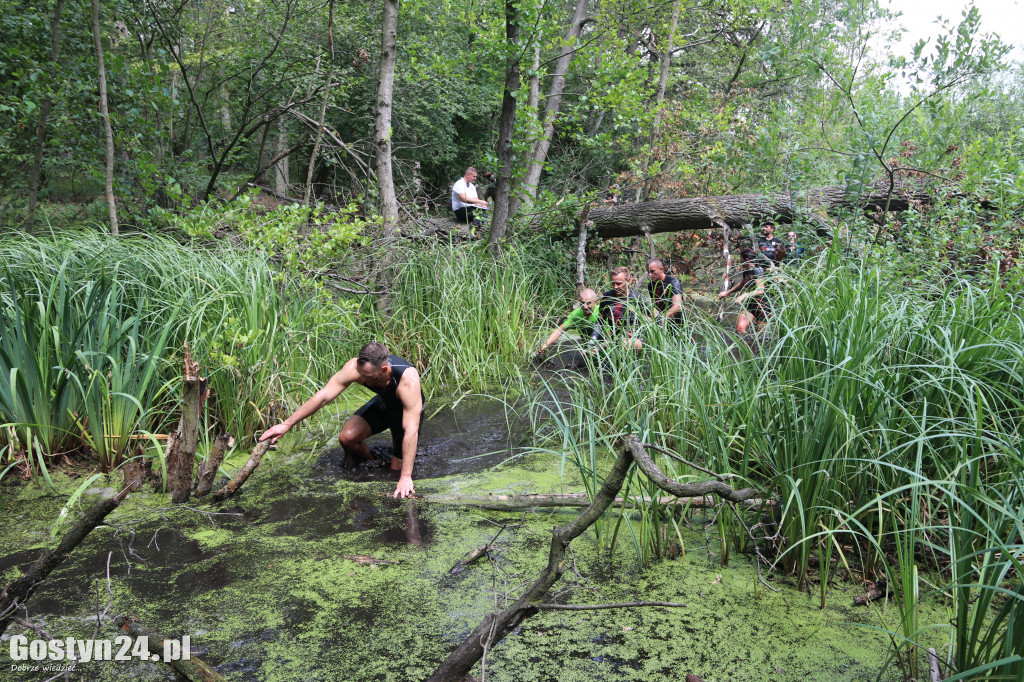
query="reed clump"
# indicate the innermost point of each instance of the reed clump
(883, 419)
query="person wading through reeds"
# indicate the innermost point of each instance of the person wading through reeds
(398, 406)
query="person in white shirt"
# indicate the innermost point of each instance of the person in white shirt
(465, 199)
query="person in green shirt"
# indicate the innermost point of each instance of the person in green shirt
(580, 321)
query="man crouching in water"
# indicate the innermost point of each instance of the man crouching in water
(398, 406)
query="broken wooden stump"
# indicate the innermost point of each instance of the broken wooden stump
(243, 474)
(209, 467)
(194, 669)
(15, 594)
(181, 446)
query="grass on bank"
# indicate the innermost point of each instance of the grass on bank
(862, 415)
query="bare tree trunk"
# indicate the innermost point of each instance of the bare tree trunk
(323, 107)
(105, 115)
(533, 100)
(281, 174)
(382, 125)
(225, 110)
(182, 445)
(659, 100)
(554, 103)
(503, 189)
(44, 113)
(581, 250)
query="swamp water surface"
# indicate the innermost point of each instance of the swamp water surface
(315, 573)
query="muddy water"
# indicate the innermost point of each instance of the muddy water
(474, 435)
(316, 573)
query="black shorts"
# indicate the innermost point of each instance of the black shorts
(380, 418)
(760, 308)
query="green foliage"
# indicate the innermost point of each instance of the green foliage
(860, 416)
(469, 318)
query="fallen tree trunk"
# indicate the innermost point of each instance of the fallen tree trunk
(497, 625)
(194, 669)
(18, 592)
(572, 500)
(699, 213)
(232, 486)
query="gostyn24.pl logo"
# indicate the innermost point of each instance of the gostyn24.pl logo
(71, 650)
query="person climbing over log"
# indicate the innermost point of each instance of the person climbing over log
(581, 321)
(758, 307)
(398, 406)
(619, 310)
(666, 292)
(768, 243)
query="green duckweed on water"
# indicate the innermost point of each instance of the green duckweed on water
(307, 575)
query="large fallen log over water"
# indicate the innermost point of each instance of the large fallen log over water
(699, 213)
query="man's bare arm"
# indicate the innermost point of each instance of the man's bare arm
(337, 383)
(677, 306)
(412, 407)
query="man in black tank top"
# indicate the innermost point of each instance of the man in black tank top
(398, 406)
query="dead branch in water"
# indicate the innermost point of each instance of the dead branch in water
(15, 594)
(194, 669)
(499, 624)
(574, 500)
(232, 486)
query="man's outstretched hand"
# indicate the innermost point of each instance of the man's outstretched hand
(404, 488)
(275, 432)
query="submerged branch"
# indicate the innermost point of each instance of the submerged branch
(595, 607)
(14, 595)
(497, 625)
(575, 500)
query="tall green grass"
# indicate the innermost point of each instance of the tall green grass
(471, 319)
(860, 416)
(95, 326)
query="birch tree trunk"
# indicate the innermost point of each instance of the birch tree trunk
(503, 188)
(382, 125)
(105, 115)
(44, 113)
(281, 175)
(554, 103)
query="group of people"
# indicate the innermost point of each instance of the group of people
(621, 309)
(617, 313)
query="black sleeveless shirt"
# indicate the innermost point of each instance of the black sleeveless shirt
(388, 394)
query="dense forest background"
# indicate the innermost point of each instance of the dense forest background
(188, 103)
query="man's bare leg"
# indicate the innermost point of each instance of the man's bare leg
(355, 431)
(396, 463)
